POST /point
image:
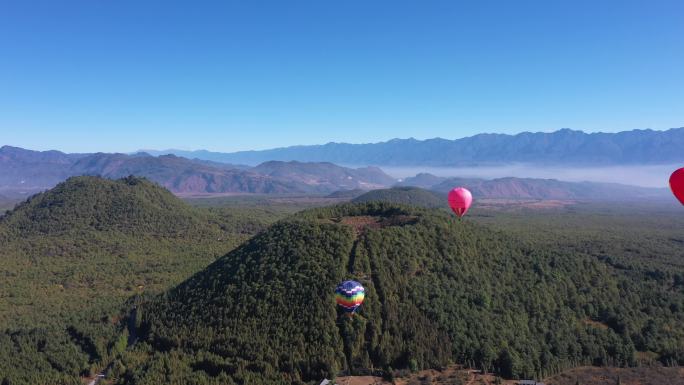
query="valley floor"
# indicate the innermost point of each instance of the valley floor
(586, 375)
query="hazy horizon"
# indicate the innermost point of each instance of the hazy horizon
(642, 175)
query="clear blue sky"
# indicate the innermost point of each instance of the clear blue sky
(120, 75)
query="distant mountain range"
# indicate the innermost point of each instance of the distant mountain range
(563, 147)
(24, 172)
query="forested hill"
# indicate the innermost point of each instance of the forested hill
(90, 235)
(130, 205)
(405, 195)
(438, 290)
(72, 256)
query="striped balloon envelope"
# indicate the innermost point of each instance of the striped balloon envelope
(349, 295)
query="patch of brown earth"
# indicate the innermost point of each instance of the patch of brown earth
(361, 380)
(452, 375)
(595, 324)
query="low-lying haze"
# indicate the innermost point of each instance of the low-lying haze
(646, 176)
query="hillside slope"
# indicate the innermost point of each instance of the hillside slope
(23, 172)
(406, 196)
(182, 175)
(326, 177)
(72, 256)
(438, 290)
(129, 205)
(423, 180)
(97, 237)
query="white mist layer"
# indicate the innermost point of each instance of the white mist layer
(645, 176)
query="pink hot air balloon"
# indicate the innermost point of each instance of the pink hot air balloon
(460, 200)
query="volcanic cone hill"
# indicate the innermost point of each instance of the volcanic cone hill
(72, 256)
(84, 204)
(438, 290)
(89, 238)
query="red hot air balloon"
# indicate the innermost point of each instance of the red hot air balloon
(677, 184)
(460, 200)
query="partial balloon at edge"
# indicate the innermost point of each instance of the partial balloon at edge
(677, 184)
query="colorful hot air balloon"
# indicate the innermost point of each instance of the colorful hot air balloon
(677, 184)
(460, 200)
(349, 295)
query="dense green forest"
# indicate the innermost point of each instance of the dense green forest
(438, 290)
(71, 257)
(86, 269)
(414, 196)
